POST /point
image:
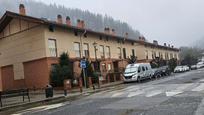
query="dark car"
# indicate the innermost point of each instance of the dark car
(165, 70)
(157, 72)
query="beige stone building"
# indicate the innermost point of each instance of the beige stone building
(29, 47)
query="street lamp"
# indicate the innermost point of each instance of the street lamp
(96, 61)
(95, 49)
(81, 55)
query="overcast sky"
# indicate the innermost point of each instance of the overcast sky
(177, 22)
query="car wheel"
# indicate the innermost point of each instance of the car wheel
(138, 79)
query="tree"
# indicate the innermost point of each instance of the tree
(190, 55)
(172, 64)
(157, 62)
(61, 71)
(132, 59)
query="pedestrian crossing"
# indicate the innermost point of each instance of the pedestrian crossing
(148, 91)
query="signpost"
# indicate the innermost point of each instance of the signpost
(83, 66)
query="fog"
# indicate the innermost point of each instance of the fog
(178, 22)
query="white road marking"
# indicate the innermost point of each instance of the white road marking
(133, 89)
(199, 88)
(184, 86)
(131, 94)
(117, 94)
(153, 93)
(172, 93)
(41, 108)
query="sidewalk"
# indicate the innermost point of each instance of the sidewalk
(39, 96)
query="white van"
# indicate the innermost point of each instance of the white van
(137, 72)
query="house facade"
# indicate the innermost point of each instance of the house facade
(30, 46)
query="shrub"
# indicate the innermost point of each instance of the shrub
(61, 71)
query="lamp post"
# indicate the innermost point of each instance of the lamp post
(95, 45)
(81, 55)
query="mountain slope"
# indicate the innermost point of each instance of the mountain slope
(95, 22)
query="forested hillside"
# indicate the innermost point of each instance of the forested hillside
(93, 21)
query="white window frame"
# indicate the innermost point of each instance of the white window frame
(52, 47)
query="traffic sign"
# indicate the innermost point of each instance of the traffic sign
(83, 64)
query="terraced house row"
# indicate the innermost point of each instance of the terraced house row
(29, 46)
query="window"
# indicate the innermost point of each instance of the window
(175, 56)
(100, 37)
(146, 54)
(133, 52)
(139, 69)
(75, 33)
(119, 52)
(77, 49)
(154, 54)
(132, 43)
(146, 68)
(103, 67)
(86, 50)
(124, 53)
(107, 51)
(101, 50)
(109, 67)
(107, 38)
(171, 55)
(166, 56)
(143, 68)
(161, 55)
(52, 47)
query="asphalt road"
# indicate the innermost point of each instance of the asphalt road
(178, 94)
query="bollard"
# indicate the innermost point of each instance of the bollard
(93, 86)
(67, 86)
(80, 85)
(48, 91)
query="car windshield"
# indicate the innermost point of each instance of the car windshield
(131, 70)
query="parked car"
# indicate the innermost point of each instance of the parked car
(186, 68)
(200, 65)
(165, 70)
(179, 69)
(137, 72)
(193, 67)
(157, 72)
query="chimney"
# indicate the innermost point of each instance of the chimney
(22, 10)
(107, 30)
(78, 23)
(142, 38)
(172, 46)
(164, 44)
(169, 45)
(68, 21)
(83, 24)
(59, 19)
(155, 42)
(113, 31)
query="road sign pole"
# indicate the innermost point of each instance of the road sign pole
(84, 77)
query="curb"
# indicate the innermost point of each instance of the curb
(57, 99)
